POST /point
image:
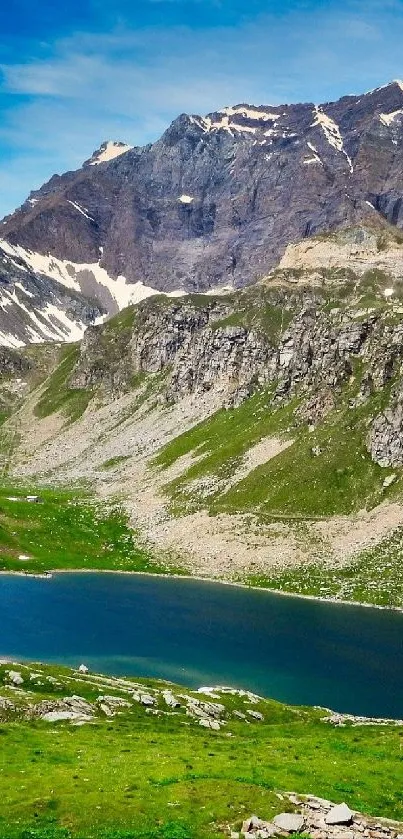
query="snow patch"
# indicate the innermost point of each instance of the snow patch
(387, 119)
(81, 210)
(315, 158)
(52, 322)
(7, 340)
(68, 330)
(108, 151)
(331, 131)
(23, 289)
(56, 269)
(248, 113)
(207, 125)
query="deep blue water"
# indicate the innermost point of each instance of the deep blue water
(300, 651)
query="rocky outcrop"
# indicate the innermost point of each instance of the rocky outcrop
(386, 436)
(217, 200)
(354, 251)
(199, 344)
(319, 819)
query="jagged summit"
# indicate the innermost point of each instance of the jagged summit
(107, 151)
(218, 198)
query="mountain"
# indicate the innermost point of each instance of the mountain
(250, 416)
(212, 204)
(254, 436)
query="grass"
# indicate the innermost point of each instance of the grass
(140, 776)
(57, 396)
(220, 442)
(115, 461)
(67, 530)
(265, 310)
(341, 479)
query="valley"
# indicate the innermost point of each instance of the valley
(201, 455)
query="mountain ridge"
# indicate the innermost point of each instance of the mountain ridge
(213, 204)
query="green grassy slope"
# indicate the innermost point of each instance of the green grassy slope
(341, 479)
(67, 530)
(145, 776)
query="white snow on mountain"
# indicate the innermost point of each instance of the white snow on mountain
(224, 124)
(108, 151)
(49, 322)
(387, 119)
(315, 157)
(80, 210)
(249, 112)
(331, 131)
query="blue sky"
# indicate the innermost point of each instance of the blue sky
(76, 72)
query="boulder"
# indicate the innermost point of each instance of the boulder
(147, 700)
(250, 824)
(256, 715)
(289, 822)
(15, 678)
(340, 814)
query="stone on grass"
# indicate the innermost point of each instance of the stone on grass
(15, 678)
(289, 822)
(147, 700)
(256, 715)
(340, 814)
(250, 824)
(83, 668)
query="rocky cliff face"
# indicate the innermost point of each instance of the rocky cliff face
(217, 199)
(305, 345)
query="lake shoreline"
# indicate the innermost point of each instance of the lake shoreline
(333, 600)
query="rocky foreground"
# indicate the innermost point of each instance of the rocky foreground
(319, 819)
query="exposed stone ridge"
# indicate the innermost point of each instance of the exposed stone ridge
(358, 250)
(217, 199)
(19, 685)
(319, 819)
(199, 346)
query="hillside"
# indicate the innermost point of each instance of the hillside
(253, 436)
(140, 759)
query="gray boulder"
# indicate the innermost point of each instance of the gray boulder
(340, 814)
(289, 822)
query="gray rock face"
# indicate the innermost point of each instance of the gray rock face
(200, 344)
(217, 199)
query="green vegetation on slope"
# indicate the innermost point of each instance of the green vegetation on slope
(341, 479)
(326, 472)
(142, 776)
(57, 396)
(257, 308)
(66, 530)
(219, 443)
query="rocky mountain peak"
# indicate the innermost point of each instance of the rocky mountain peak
(216, 201)
(107, 151)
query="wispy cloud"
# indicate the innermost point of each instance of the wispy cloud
(128, 83)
